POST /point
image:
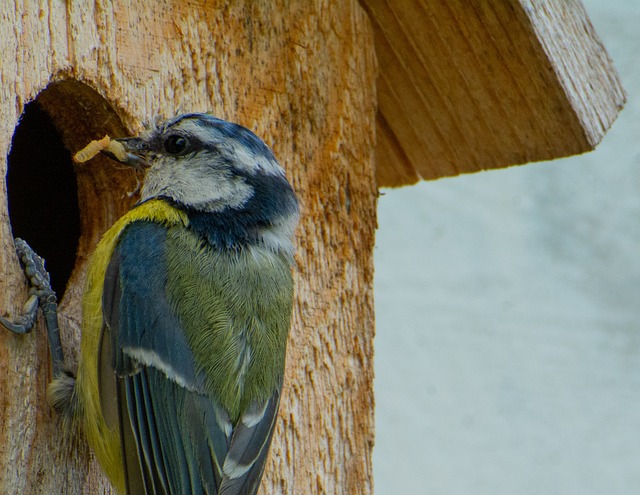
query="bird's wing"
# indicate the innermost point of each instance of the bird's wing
(249, 448)
(180, 436)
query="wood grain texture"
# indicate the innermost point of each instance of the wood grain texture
(301, 74)
(468, 85)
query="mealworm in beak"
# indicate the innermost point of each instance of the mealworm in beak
(96, 146)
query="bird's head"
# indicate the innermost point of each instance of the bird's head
(209, 166)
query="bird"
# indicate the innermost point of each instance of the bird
(187, 309)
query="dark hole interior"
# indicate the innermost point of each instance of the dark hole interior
(43, 194)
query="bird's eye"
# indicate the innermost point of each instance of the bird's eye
(175, 144)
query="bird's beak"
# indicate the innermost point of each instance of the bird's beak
(133, 155)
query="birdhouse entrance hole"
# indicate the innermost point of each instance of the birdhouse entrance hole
(42, 193)
(59, 207)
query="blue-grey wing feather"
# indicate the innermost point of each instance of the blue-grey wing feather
(177, 431)
(249, 448)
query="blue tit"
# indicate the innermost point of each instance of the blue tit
(186, 314)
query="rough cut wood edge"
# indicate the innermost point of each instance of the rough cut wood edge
(299, 73)
(581, 62)
(468, 85)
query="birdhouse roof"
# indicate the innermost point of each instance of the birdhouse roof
(471, 85)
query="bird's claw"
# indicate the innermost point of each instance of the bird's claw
(33, 267)
(40, 291)
(23, 323)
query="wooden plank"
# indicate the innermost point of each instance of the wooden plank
(468, 85)
(301, 74)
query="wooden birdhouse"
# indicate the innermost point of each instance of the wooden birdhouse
(351, 96)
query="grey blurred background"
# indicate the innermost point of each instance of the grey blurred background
(508, 318)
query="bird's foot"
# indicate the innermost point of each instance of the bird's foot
(40, 295)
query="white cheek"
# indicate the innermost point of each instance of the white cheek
(155, 182)
(202, 187)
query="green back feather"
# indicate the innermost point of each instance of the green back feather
(235, 307)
